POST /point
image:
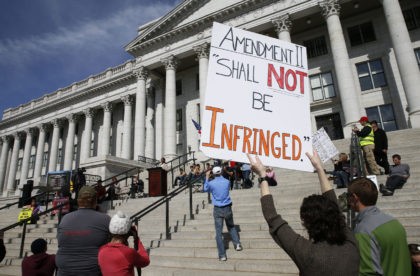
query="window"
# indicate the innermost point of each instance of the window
(316, 47)
(19, 164)
(322, 86)
(60, 156)
(92, 148)
(178, 87)
(31, 161)
(45, 159)
(417, 53)
(74, 152)
(179, 119)
(371, 74)
(384, 115)
(412, 18)
(361, 34)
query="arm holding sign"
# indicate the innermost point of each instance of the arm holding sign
(329, 239)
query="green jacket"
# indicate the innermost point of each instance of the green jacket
(382, 244)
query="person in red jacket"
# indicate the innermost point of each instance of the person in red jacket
(40, 263)
(116, 257)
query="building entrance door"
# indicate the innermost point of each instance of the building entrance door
(331, 124)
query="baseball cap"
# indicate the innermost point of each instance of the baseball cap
(217, 170)
(364, 119)
(87, 192)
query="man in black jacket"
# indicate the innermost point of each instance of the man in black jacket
(381, 146)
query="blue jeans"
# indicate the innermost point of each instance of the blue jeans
(221, 214)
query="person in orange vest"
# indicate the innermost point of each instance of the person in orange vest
(367, 143)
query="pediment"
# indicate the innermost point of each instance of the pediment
(189, 14)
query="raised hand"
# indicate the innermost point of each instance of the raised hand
(257, 166)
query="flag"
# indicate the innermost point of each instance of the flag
(197, 126)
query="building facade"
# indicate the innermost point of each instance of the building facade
(363, 59)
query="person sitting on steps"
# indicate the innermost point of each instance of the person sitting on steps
(398, 175)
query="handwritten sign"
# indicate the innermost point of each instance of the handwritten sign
(257, 100)
(24, 214)
(323, 145)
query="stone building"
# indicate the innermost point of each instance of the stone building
(363, 58)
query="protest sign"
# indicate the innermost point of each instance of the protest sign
(257, 100)
(323, 145)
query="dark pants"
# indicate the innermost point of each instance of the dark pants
(395, 182)
(341, 179)
(381, 159)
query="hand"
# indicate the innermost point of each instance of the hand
(315, 160)
(208, 173)
(257, 166)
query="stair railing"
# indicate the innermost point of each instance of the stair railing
(24, 222)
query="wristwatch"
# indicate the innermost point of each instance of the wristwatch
(261, 179)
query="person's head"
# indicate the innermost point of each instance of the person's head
(396, 158)
(208, 166)
(33, 202)
(323, 220)
(343, 157)
(361, 192)
(374, 125)
(363, 120)
(99, 183)
(415, 254)
(216, 170)
(87, 197)
(39, 246)
(163, 160)
(120, 225)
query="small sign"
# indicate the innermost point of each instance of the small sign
(323, 145)
(24, 214)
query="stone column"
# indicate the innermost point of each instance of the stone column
(68, 154)
(106, 130)
(406, 60)
(13, 165)
(202, 52)
(52, 166)
(26, 156)
(139, 125)
(158, 118)
(39, 153)
(128, 110)
(169, 123)
(3, 160)
(149, 151)
(87, 135)
(349, 94)
(283, 25)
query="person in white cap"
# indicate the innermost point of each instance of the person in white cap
(219, 188)
(116, 257)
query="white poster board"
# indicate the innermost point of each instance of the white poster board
(257, 100)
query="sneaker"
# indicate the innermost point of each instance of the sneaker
(381, 187)
(238, 247)
(223, 259)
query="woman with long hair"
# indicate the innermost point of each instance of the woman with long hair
(331, 248)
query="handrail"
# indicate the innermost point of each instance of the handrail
(8, 205)
(165, 199)
(24, 222)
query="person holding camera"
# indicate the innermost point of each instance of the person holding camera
(116, 257)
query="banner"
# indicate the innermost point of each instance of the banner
(257, 100)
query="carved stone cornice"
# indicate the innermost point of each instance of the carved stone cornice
(141, 73)
(202, 50)
(170, 62)
(89, 112)
(330, 7)
(127, 100)
(107, 107)
(282, 23)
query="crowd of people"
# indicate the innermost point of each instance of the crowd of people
(92, 243)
